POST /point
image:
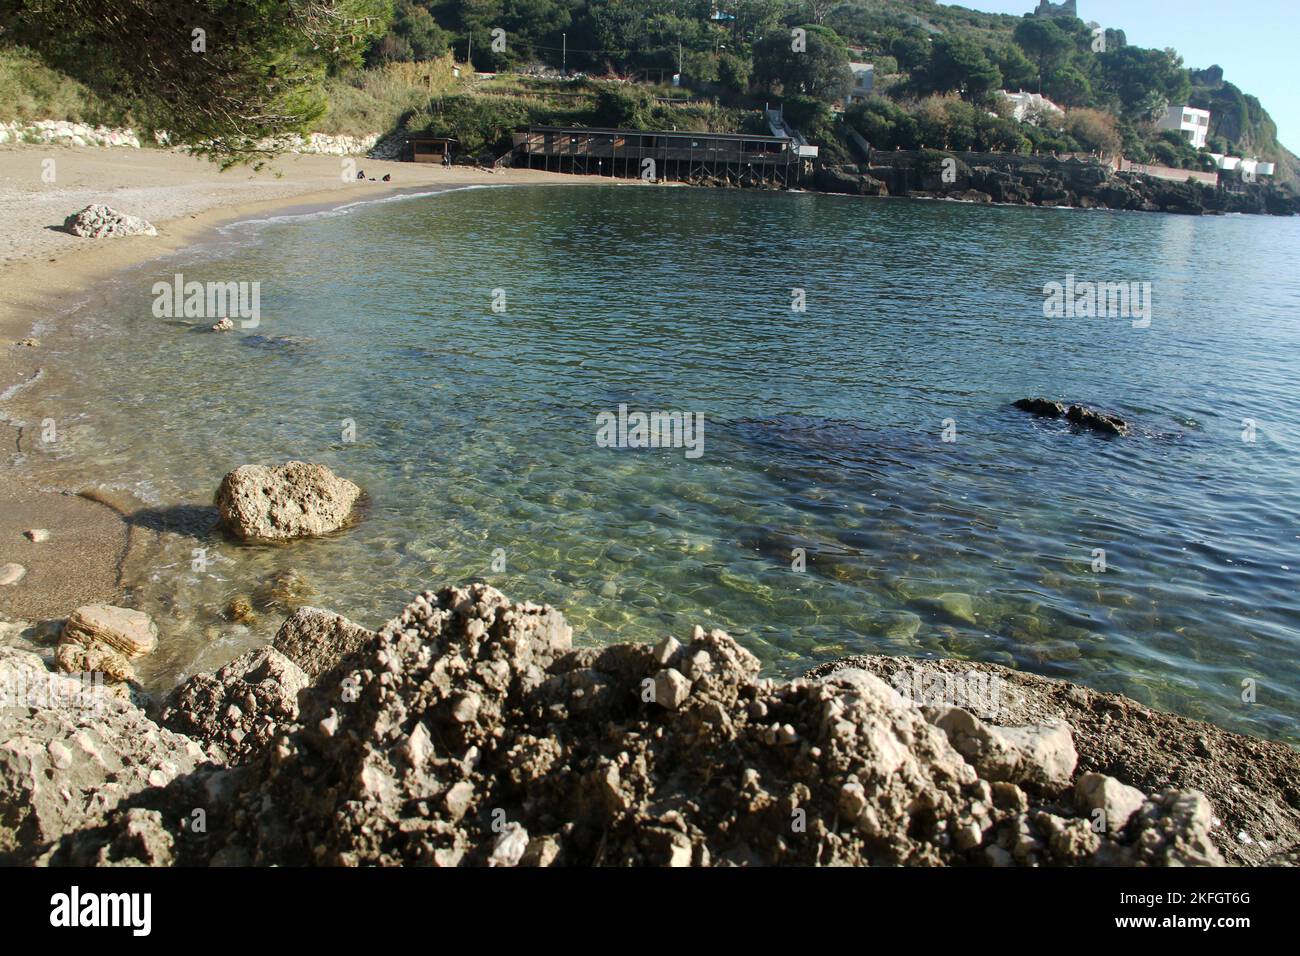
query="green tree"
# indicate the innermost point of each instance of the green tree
(1044, 42)
(957, 64)
(820, 68)
(221, 75)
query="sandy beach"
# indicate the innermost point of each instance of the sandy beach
(43, 270)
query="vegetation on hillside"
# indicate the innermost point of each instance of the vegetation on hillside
(381, 65)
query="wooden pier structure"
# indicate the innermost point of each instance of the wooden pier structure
(739, 159)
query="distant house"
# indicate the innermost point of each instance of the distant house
(1192, 123)
(864, 78)
(1028, 104)
(1249, 167)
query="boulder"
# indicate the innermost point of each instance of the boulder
(1039, 756)
(283, 502)
(241, 708)
(105, 639)
(70, 751)
(1117, 801)
(318, 641)
(98, 221)
(1043, 407)
(1090, 418)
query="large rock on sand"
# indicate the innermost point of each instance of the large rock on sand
(98, 221)
(282, 502)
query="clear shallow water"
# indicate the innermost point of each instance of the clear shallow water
(476, 431)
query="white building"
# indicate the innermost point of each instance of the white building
(864, 78)
(1249, 167)
(1194, 124)
(1028, 104)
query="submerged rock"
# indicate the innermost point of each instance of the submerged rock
(1079, 415)
(98, 221)
(283, 590)
(11, 573)
(279, 503)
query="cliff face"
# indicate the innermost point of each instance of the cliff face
(1036, 181)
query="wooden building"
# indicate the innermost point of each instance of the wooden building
(739, 159)
(427, 149)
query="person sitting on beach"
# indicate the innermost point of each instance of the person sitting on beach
(361, 174)
(388, 177)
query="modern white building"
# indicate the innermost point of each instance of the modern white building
(1249, 167)
(1028, 104)
(864, 78)
(1194, 124)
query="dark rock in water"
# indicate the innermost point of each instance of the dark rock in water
(1044, 407)
(279, 343)
(1086, 417)
(1079, 415)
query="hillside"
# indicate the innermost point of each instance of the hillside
(690, 65)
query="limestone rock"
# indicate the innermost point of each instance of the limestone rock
(70, 751)
(37, 535)
(131, 633)
(317, 640)
(242, 707)
(1041, 756)
(98, 221)
(282, 502)
(11, 573)
(1117, 802)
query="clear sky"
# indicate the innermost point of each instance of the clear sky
(1256, 42)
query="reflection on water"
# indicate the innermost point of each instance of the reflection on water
(475, 430)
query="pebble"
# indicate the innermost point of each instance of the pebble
(11, 573)
(37, 535)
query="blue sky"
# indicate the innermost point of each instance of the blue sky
(1255, 42)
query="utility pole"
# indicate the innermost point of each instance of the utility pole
(564, 54)
(469, 52)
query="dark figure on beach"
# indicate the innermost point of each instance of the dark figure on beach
(388, 177)
(361, 174)
(446, 159)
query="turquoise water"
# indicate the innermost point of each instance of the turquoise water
(475, 430)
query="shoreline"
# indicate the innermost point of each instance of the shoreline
(49, 275)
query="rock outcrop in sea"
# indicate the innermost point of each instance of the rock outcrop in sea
(1079, 415)
(470, 731)
(282, 502)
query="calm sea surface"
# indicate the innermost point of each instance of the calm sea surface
(475, 430)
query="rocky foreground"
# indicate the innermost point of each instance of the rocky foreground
(469, 731)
